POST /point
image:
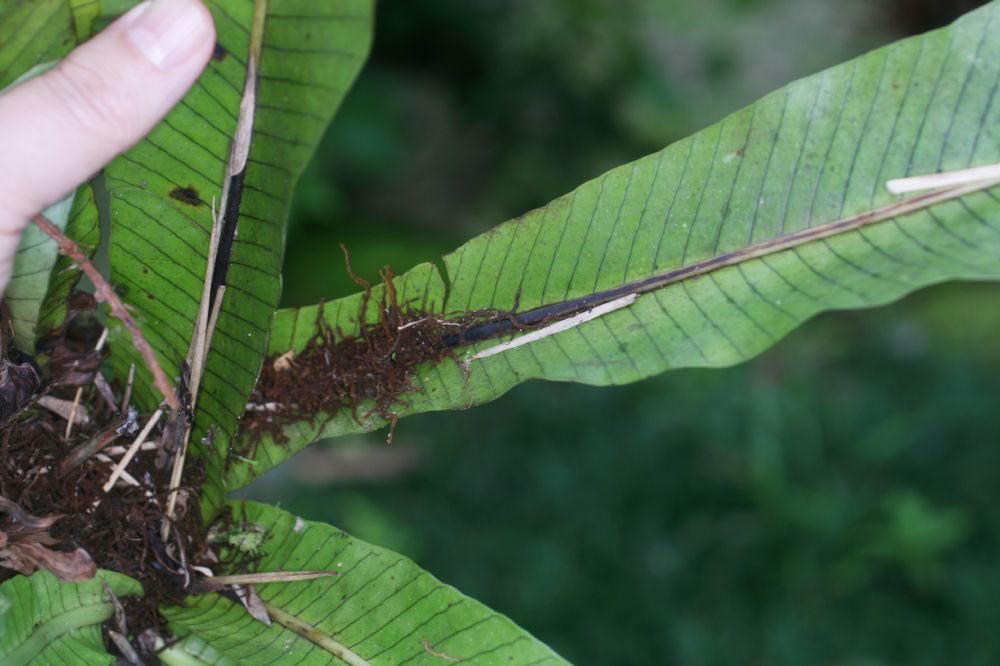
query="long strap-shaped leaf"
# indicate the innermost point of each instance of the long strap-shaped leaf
(382, 609)
(43, 621)
(722, 236)
(162, 191)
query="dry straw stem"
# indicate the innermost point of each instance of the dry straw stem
(270, 577)
(557, 327)
(315, 635)
(127, 398)
(119, 450)
(208, 313)
(71, 419)
(125, 476)
(72, 413)
(119, 469)
(106, 293)
(934, 181)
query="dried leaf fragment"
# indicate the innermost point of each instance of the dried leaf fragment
(74, 367)
(248, 596)
(18, 384)
(27, 558)
(24, 542)
(64, 408)
(284, 362)
(23, 522)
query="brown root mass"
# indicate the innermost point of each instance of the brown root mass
(370, 370)
(118, 530)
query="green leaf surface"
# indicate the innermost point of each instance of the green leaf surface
(818, 151)
(162, 191)
(43, 621)
(85, 12)
(382, 609)
(32, 273)
(84, 227)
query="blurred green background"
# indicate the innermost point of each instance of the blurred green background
(833, 502)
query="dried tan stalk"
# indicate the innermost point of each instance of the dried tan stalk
(270, 577)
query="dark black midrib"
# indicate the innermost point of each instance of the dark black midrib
(515, 322)
(227, 238)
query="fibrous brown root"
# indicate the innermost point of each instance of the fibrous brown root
(375, 367)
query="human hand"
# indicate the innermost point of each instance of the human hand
(58, 129)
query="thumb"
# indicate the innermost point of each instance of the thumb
(58, 129)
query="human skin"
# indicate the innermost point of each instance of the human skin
(60, 128)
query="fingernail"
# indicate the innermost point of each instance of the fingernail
(166, 31)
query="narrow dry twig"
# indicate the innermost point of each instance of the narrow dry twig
(64, 409)
(201, 342)
(119, 469)
(198, 351)
(934, 181)
(117, 450)
(71, 419)
(106, 293)
(125, 476)
(197, 355)
(102, 386)
(269, 577)
(127, 398)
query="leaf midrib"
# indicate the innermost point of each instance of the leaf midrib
(816, 234)
(321, 640)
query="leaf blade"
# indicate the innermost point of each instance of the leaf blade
(161, 192)
(45, 620)
(817, 151)
(379, 611)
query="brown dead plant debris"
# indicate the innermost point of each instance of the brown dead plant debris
(57, 510)
(117, 530)
(24, 546)
(372, 369)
